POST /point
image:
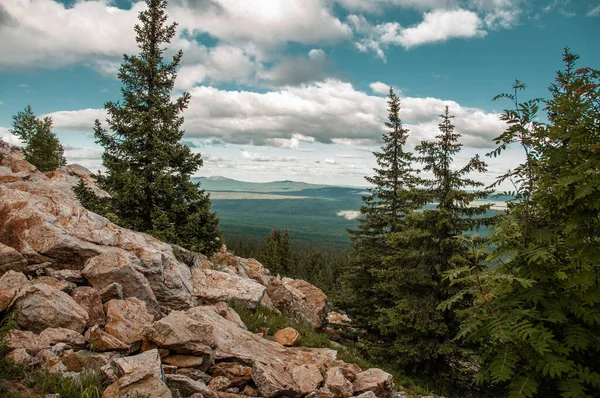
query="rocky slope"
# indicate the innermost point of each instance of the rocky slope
(151, 317)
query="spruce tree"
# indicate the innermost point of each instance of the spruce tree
(428, 243)
(537, 312)
(272, 252)
(42, 147)
(388, 200)
(148, 169)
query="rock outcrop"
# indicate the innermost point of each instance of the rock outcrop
(153, 318)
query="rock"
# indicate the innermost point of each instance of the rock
(169, 369)
(305, 301)
(213, 286)
(53, 336)
(338, 318)
(307, 377)
(140, 374)
(229, 313)
(180, 333)
(257, 272)
(219, 383)
(188, 386)
(50, 362)
(349, 370)
(12, 286)
(368, 394)
(375, 380)
(82, 360)
(238, 375)
(124, 268)
(126, 319)
(272, 380)
(69, 275)
(194, 374)
(46, 307)
(25, 339)
(286, 337)
(20, 356)
(184, 361)
(101, 341)
(11, 260)
(58, 284)
(89, 299)
(249, 391)
(112, 291)
(339, 386)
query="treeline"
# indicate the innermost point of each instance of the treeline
(282, 256)
(515, 313)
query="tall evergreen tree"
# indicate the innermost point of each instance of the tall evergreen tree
(384, 207)
(148, 169)
(42, 147)
(285, 253)
(538, 311)
(272, 252)
(429, 242)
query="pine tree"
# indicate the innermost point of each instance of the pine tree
(272, 252)
(428, 243)
(384, 207)
(538, 311)
(148, 169)
(285, 253)
(42, 147)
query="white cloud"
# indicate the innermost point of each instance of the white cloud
(257, 157)
(9, 138)
(297, 70)
(594, 12)
(328, 111)
(348, 214)
(383, 89)
(437, 26)
(330, 161)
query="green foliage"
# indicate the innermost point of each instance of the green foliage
(42, 147)
(148, 169)
(537, 312)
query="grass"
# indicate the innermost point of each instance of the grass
(265, 320)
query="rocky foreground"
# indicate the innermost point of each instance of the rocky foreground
(151, 317)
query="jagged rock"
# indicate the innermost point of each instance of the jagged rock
(219, 383)
(258, 272)
(305, 301)
(69, 275)
(25, 339)
(339, 386)
(184, 361)
(89, 299)
(338, 318)
(12, 286)
(45, 306)
(112, 291)
(213, 286)
(229, 313)
(11, 260)
(169, 369)
(368, 394)
(307, 377)
(65, 177)
(238, 375)
(121, 267)
(82, 360)
(140, 374)
(58, 284)
(50, 362)
(286, 337)
(188, 386)
(180, 333)
(349, 370)
(126, 319)
(194, 374)
(53, 336)
(19, 356)
(273, 380)
(249, 391)
(101, 341)
(375, 380)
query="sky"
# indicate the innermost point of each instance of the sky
(296, 89)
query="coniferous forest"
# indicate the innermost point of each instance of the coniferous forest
(512, 312)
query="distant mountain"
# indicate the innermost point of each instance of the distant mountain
(218, 183)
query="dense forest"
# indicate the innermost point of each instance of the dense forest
(514, 311)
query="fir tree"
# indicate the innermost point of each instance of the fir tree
(384, 207)
(285, 253)
(538, 311)
(272, 252)
(148, 169)
(42, 147)
(428, 243)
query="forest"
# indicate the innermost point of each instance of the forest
(514, 311)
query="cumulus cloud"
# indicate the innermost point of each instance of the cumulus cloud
(331, 111)
(257, 157)
(329, 161)
(348, 214)
(9, 138)
(297, 70)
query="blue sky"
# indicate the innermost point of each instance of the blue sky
(295, 89)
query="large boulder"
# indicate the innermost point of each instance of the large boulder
(302, 299)
(286, 337)
(101, 341)
(10, 259)
(12, 286)
(141, 374)
(182, 334)
(44, 307)
(337, 384)
(89, 299)
(126, 319)
(375, 380)
(307, 377)
(214, 286)
(239, 375)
